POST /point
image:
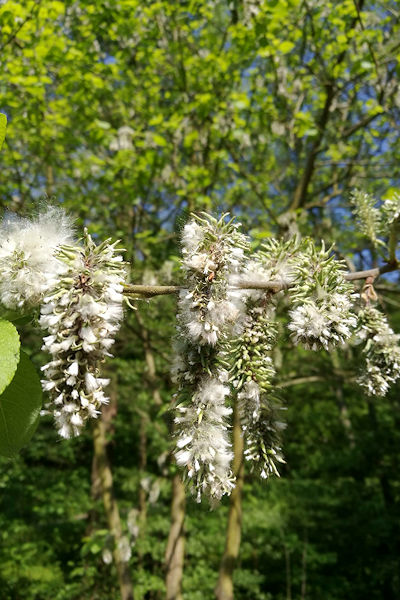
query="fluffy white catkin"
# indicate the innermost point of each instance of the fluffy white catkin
(252, 369)
(82, 315)
(322, 314)
(29, 267)
(212, 251)
(381, 351)
(203, 445)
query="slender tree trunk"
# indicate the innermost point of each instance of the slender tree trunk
(142, 504)
(304, 567)
(49, 181)
(150, 362)
(153, 386)
(288, 569)
(142, 469)
(102, 470)
(344, 414)
(175, 552)
(224, 587)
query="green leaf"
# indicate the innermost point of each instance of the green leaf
(9, 353)
(20, 406)
(3, 126)
(7, 314)
(159, 140)
(285, 46)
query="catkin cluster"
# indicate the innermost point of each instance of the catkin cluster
(82, 316)
(226, 328)
(252, 367)
(381, 352)
(29, 267)
(322, 316)
(213, 251)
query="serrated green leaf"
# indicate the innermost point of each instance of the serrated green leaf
(3, 127)
(20, 406)
(9, 353)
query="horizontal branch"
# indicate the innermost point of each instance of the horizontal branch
(388, 268)
(301, 381)
(149, 291)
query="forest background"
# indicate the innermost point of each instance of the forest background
(131, 115)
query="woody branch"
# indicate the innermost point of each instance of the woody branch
(149, 291)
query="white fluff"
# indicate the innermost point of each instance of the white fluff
(29, 267)
(203, 444)
(82, 314)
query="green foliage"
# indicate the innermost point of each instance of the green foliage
(3, 127)
(20, 405)
(9, 353)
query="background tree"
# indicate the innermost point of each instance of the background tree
(130, 116)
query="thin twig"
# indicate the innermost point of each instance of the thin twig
(149, 291)
(301, 381)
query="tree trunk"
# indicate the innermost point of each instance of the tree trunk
(175, 552)
(142, 469)
(150, 362)
(288, 570)
(304, 568)
(224, 587)
(344, 414)
(103, 471)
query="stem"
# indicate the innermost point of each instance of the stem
(393, 243)
(300, 193)
(148, 291)
(224, 587)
